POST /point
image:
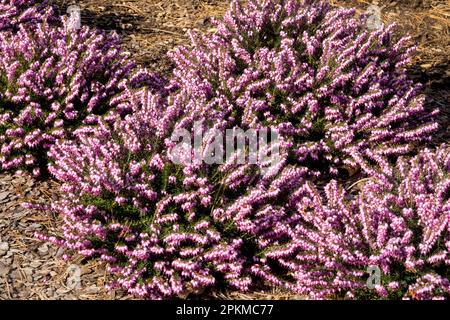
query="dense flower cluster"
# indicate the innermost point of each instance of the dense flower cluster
(126, 202)
(14, 13)
(403, 229)
(338, 92)
(52, 79)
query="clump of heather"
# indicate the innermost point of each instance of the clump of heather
(51, 80)
(337, 92)
(126, 202)
(20, 12)
(402, 228)
(166, 228)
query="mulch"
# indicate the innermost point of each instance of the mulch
(31, 269)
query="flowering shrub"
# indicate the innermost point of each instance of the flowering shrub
(403, 229)
(51, 80)
(16, 12)
(338, 93)
(127, 203)
(168, 229)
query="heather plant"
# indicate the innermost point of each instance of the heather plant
(337, 92)
(169, 229)
(127, 203)
(166, 229)
(14, 13)
(52, 79)
(401, 228)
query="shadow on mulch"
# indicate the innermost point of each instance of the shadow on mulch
(124, 24)
(436, 83)
(149, 28)
(108, 20)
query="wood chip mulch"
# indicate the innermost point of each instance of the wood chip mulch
(29, 268)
